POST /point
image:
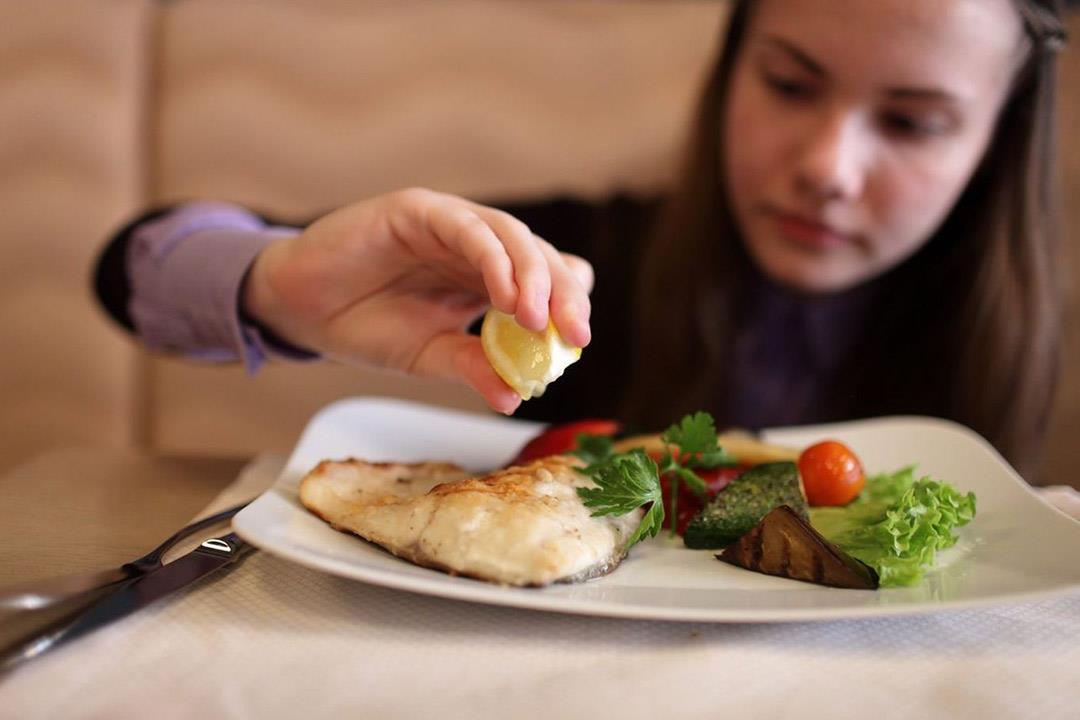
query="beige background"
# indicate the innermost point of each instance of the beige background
(107, 106)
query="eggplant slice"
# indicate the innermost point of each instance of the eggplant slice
(786, 545)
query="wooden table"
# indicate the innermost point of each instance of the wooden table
(89, 508)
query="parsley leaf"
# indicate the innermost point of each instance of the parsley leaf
(713, 459)
(650, 524)
(693, 434)
(593, 448)
(626, 481)
(696, 436)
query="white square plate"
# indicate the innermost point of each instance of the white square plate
(1016, 548)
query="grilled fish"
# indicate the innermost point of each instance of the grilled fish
(522, 526)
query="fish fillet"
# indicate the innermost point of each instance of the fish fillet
(523, 525)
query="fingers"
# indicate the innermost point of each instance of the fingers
(532, 274)
(464, 233)
(570, 307)
(459, 357)
(523, 275)
(582, 270)
(550, 283)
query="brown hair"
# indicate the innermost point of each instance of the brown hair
(968, 328)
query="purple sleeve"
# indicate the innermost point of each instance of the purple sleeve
(186, 270)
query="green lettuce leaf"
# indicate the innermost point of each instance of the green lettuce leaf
(897, 524)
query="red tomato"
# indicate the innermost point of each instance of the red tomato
(718, 478)
(690, 504)
(831, 474)
(559, 439)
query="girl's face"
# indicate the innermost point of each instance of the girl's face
(852, 127)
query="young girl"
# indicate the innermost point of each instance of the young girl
(863, 227)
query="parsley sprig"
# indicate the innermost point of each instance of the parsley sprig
(697, 442)
(696, 446)
(626, 481)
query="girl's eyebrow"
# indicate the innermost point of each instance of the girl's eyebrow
(900, 93)
(797, 54)
(917, 93)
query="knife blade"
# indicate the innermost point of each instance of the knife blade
(131, 595)
(43, 593)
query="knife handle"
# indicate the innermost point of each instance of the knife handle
(230, 545)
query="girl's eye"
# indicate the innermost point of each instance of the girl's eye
(789, 88)
(915, 127)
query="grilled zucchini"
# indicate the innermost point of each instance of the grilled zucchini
(744, 502)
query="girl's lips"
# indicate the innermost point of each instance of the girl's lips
(810, 234)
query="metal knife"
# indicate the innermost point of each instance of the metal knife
(45, 593)
(130, 595)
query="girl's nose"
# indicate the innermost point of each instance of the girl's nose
(832, 165)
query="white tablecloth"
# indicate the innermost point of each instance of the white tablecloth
(275, 640)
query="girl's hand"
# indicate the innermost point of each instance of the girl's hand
(395, 281)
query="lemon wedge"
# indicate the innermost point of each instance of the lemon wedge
(527, 361)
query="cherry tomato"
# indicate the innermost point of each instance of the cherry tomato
(831, 474)
(562, 438)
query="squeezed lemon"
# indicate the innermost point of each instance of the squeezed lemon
(527, 361)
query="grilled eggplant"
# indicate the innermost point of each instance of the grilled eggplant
(784, 544)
